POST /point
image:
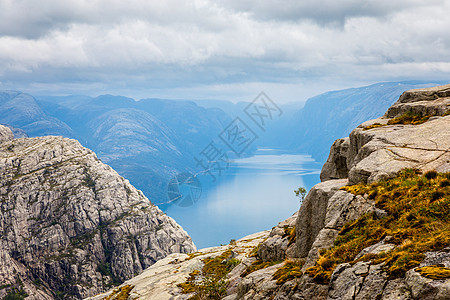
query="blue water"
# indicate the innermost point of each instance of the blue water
(252, 195)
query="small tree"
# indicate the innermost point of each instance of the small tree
(301, 193)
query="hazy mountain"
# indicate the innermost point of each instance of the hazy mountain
(329, 116)
(146, 141)
(22, 111)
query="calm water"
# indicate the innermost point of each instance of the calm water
(254, 194)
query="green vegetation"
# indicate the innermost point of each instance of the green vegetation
(374, 125)
(301, 193)
(289, 232)
(418, 221)
(434, 272)
(210, 283)
(15, 294)
(289, 271)
(121, 293)
(258, 265)
(409, 118)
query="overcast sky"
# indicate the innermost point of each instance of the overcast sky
(226, 49)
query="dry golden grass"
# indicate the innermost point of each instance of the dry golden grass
(418, 220)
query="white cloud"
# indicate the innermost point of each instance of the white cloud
(193, 45)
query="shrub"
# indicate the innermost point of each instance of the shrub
(210, 283)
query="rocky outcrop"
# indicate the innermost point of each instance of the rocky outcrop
(336, 165)
(5, 134)
(280, 241)
(381, 152)
(70, 225)
(312, 213)
(430, 101)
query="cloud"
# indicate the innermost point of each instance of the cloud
(323, 11)
(199, 45)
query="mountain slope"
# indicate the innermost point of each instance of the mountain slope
(70, 225)
(22, 111)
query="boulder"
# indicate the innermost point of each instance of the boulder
(336, 165)
(311, 216)
(5, 134)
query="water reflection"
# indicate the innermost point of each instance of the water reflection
(254, 194)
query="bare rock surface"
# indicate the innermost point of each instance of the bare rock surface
(382, 152)
(336, 165)
(70, 225)
(278, 246)
(5, 134)
(312, 213)
(161, 279)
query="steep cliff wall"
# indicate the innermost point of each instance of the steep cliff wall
(70, 226)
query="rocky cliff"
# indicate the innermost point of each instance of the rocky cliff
(70, 226)
(376, 227)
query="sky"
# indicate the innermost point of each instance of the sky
(225, 49)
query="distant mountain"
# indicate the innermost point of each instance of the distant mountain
(146, 141)
(22, 111)
(333, 115)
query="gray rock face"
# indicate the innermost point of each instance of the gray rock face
(275, 248)
(430, 101)
(70, 225)
(381, 152)
(360, 281)
(311, 216)
(342, 207)
(5, 134)
(336, 165)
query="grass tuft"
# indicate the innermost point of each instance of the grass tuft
(290, 233)
(289, 271)
(210, 283)
(438, 272)
(258, 265)
(121, 293)
(375, 125)
(409, 118)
